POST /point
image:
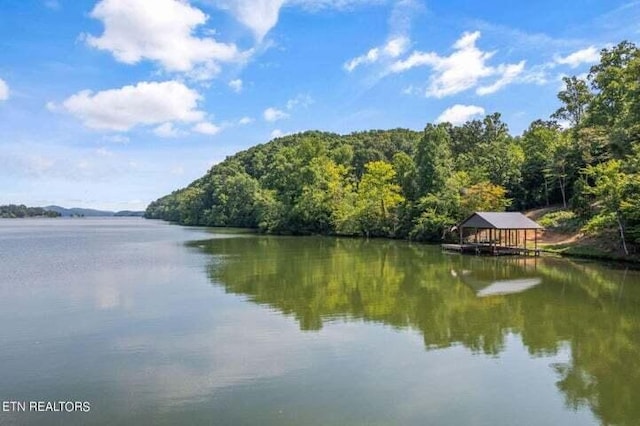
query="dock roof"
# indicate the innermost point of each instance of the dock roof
(498, 220)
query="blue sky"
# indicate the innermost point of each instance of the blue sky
(113, 103)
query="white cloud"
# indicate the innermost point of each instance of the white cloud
(509, 73)
(145, 103)
(206, 128)
(260, 16)
(537, 74)
(460, 114)
(277, 133)
(236, 85)
(245, 120)
(167, 130)
(587, 55)
(392, 49)
(464, 69)
(301, 101)
(368, 58)
(160, 31)
(273, 114)
(4, 90)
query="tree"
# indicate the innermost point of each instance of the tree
(433, 158)
(320, 205)
(616, 105)
(406, 175)
(378, 196)
(489, 152)
(538, 143)
(556, 167)
(483, 196)
(575, 99)
(610, 187)
(437, 212)
(190, 205)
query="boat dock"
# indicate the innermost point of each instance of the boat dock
(496, 234)
(491, 249)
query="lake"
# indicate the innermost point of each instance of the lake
(151, 323)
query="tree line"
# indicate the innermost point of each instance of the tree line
(405, 184)
(11, 211)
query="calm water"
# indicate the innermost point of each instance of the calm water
(158, 324)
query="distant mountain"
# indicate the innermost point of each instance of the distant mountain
(76, 211)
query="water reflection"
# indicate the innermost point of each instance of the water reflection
(457, 300)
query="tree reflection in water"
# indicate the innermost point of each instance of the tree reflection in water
(593, 309)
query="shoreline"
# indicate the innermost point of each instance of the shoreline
(567, 250)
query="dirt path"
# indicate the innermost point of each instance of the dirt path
(548, 236)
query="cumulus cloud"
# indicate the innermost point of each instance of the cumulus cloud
(394, 47)
(167, 130)
(4, 90)
(460, 114)
(206, 128)
(161, 31)
(273, 114)
(236, 85)
(260, 16)
(464, 69)
(146, 103)
(587, 55)
(245, 120)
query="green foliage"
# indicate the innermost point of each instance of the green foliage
(488, 152)
(406, 184)
(377, 200)
(616, 105)
(575, 99)
(562, 220)
(430, 226)
(482, 197)
(538, 146)
(433, 158)
(599, 223)
(12, 211)
(320, 206)
(613, 187)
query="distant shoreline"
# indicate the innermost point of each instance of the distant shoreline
(11, 211)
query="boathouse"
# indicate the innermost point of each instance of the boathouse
(496, 233)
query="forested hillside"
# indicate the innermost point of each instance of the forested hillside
(405, 184)
(12, 211)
